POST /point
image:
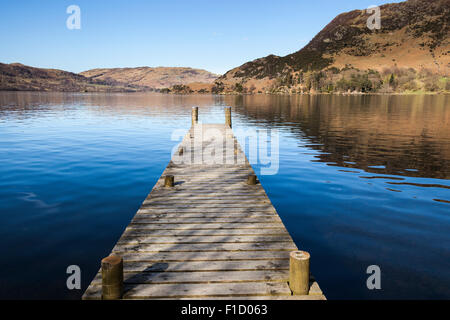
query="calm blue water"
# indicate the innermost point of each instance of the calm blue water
(362, 181)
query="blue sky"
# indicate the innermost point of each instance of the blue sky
(212, 35)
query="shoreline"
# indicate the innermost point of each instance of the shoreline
(413, 93)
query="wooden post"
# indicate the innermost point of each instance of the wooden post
(194, 115)
(112, 278)
(229, 133)
(299, 272)
(228, 116)
(251, 180)
(169, 181)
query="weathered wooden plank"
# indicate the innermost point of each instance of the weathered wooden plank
(131, 230)
(178, 196)
(206, 214)
(203, 256)
(202, 177)
(129, 239)
(207, 193)
(196, 266)
(208, 168)
(170, 202)
(230, 186)
(207, 226)
(204, 192)
(157, 219)
(201, 277)
(226, 181)
(199, 206)
(226, 185)
(283, 246)
(204, 290)
(205, 210)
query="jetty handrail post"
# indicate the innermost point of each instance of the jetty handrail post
(228, 116)
(112, 278)
(194, 115)
(299, 272)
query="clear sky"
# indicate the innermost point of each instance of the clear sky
(212, 35)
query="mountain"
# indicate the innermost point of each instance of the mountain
(19, 77)
(160, 77)
(409, 52)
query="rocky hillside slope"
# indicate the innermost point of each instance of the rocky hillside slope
(413, 42)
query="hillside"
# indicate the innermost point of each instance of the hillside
(160, 77)
(409, 53)
(19, 77)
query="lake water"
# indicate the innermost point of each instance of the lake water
(362, 180)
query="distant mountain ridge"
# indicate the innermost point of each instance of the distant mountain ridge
(19, 77)
(158, 78)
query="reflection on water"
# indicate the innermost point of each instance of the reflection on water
(363, 180)
(404, 135)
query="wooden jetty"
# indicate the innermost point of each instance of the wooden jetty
(207, 230)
